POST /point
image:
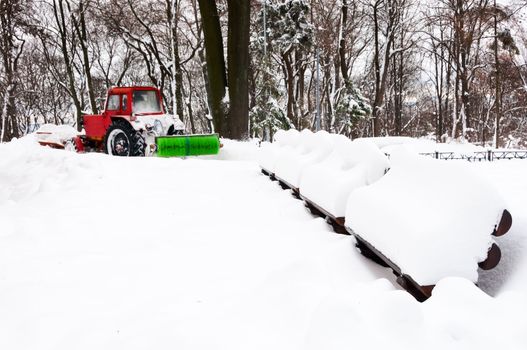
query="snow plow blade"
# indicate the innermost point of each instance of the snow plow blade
(187, 145)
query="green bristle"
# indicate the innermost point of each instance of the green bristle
(187, 145)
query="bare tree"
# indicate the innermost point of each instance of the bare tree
(11, 47)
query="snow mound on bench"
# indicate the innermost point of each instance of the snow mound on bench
(311, 148)
(269, 152)
(432, 218)
(351, 165)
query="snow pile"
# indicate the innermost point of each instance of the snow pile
(423, 208)
(458, 316)
(236, 150)
(351, 165)
(59, 170)
(311, 148)
(55, 134)
(269, 152)
(101, 252)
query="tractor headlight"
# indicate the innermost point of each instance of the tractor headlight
(158, 127)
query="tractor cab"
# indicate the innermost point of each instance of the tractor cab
(130, 101)
(141, 107)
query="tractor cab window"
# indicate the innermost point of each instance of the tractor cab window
(124, 102)
(145, 101)
(113, 103)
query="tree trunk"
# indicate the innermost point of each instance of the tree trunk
(381, 74)
(203, 63)
(58, 12)
(177, 73)
(299, 84)
(6, 132)
(238, 65)
(377, 69)
(496, 141)
(215, 62)
(189, 105)
(465, 103)
(290, 88)
(10, 52)
(80, 28)
(342, 43)
(438, 69)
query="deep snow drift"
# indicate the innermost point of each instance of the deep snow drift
(98, 252)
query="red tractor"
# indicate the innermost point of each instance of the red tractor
(132, 118)
(133, 123)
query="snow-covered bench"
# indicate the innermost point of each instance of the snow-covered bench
(269, 152)
(326, 186)
(428, 219)
(311, 148)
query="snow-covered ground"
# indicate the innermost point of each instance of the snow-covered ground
(99, 252)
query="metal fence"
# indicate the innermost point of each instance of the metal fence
(488, 155)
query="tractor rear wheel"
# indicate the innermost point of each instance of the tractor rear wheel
(122, 140)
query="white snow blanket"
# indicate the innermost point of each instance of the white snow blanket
(387, 141)
(269, 152)
(351, 165)
(311, 148)
(101, 252)
(432, 218)
(55, 134)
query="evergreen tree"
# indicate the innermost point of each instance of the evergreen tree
(351, 108)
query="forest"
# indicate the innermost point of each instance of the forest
(442, 69)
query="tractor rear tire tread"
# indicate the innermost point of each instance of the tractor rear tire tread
(137, 141)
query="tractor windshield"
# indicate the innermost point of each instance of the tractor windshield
(145, 101)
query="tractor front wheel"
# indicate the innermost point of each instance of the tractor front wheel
(122, 140)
